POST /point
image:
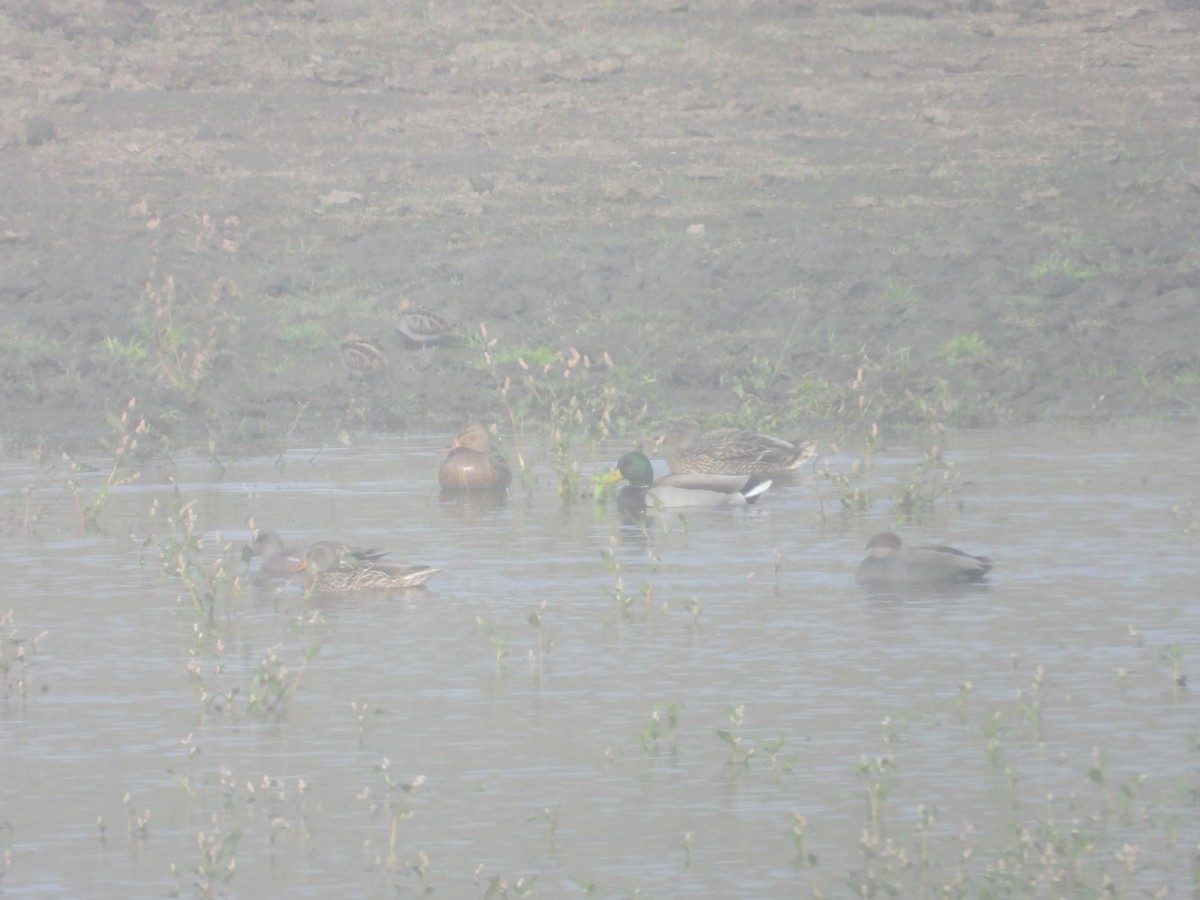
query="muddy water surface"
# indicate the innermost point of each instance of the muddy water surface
(662, 722)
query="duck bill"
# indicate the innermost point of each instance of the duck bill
(610, 477)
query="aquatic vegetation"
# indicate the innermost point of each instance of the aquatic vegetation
(127, 431)
(743, 749)
(1173, 657)
(664, 716)
(617, 591)
(851, 486)
(499, 642)
(569, 397)
(137, 824)
(181, 556)
(217, 863)
(389, 797)
(798, 831)
(15, 658)
(501, 888)
(933, 479)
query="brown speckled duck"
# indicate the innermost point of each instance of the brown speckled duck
(472, 465)
(732, 451)
(328, 570)
(889, 564)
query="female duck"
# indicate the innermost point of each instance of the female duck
(281, 561)
(889, 564)
(675, 491)
(732, 451)
(471, 465)
(329, 570)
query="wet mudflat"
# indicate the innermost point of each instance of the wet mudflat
(706, 706)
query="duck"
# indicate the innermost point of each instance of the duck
(281, 561)
(328, 570)
(423, 328)
(733, 451)
(679, 490)
(472, 465)
(890, 564)
(361, 357)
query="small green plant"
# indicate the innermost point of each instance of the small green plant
(137, 824)
(14, 657)
(798, 832)
(1173, 656)
(961, 348)
(309, 335)
(664, 715)
(567, 395)
(131, 350)
(617, 591)
(1056, 262)
(273, 686)
(127, 431)
(181, 556)
(392, 799)
(1186, 376)
(742, 749)
(217, 863)
(896, 293)
(499, 643)
(852, 485)
(501, 888)
(876, 773)
(186, 344)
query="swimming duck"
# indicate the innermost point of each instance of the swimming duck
(674, 491)
(471, 464)
(361, 357)
(733, 451)
(281, 561)
(423, 328)
(328, 570)
(889, 564)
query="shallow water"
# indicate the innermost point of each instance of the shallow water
(441, 737)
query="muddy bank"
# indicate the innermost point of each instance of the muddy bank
(791, 216)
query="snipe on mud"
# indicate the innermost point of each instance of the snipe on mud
(422, 327)
(361, 358)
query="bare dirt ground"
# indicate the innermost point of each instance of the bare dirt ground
(786, 214)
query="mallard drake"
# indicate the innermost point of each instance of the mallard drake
(328, 570)
(361, 357)
(472, 465)
(675, 491)
(889, 564)
(422, 328)
(281, 561)
(732, 451)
